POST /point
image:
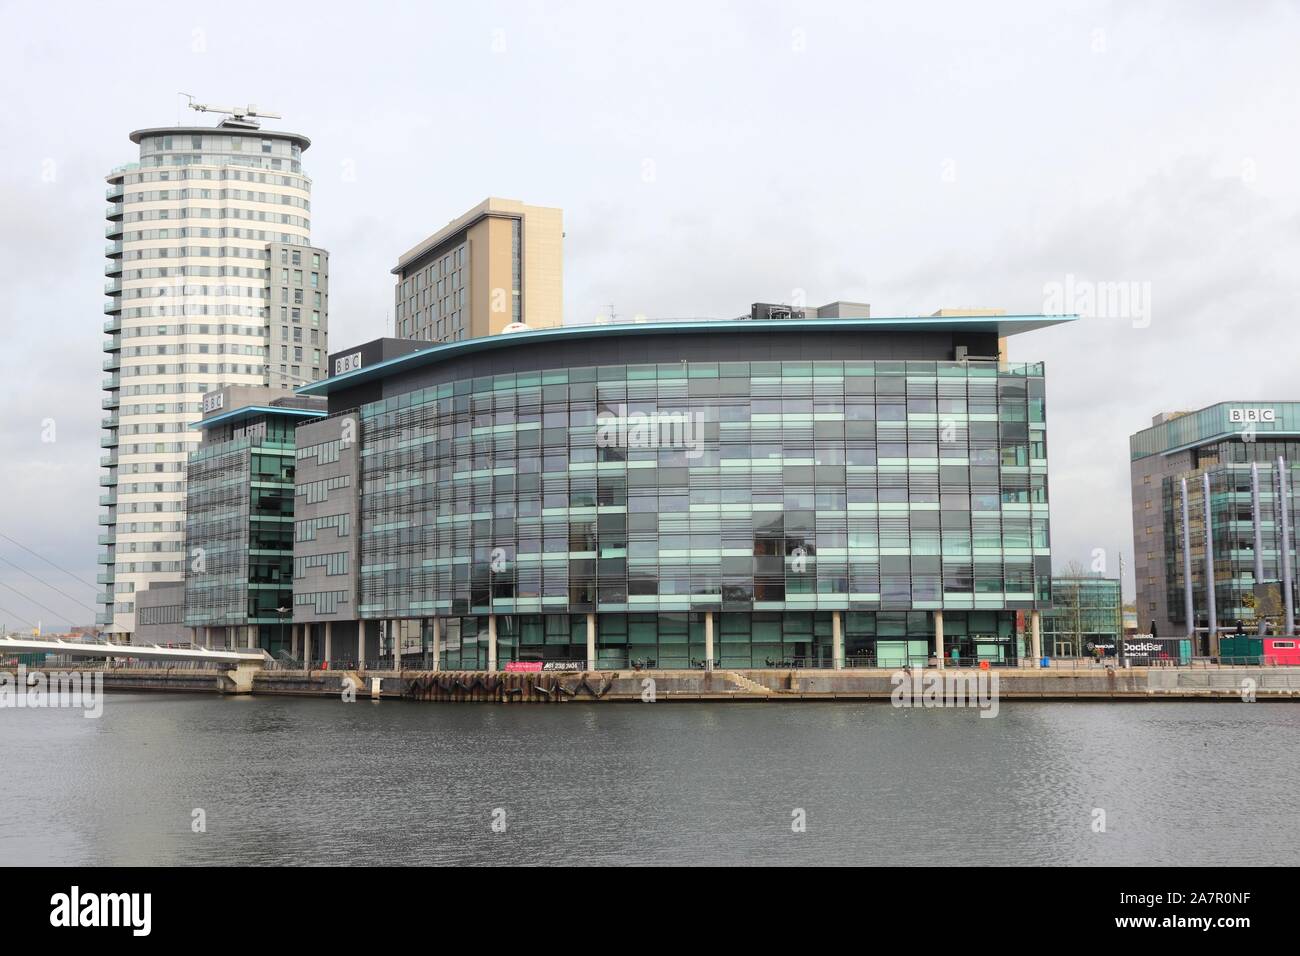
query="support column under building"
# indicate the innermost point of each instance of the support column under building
(1036, 635)
(591, 641)
(1284, 510)
(306, 645)
(437, 643)
(329, 641)
(1211, 612)
(708, 640)
(938, 637)
(1189, 609)
(492, 642)
(252, 636)
(1258, 524)
(837, 640)
(293, 641)
(361, 645)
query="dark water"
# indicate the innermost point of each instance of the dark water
(324, 782)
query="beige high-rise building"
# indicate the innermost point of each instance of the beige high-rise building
(212, 282)
(500, 263)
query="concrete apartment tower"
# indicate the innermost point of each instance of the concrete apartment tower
(496, 265)
(212, 282)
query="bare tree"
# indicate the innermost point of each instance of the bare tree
(1072, 602)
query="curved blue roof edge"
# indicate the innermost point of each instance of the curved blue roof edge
(248, 411)
(1003, 325)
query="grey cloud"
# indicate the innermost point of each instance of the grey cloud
(775, 170)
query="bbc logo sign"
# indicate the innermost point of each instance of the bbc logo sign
(347, 363)
(1247, 416)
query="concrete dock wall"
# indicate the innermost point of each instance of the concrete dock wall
(1102, 683)
(1137, 683)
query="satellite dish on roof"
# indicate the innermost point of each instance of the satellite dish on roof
(515, 327)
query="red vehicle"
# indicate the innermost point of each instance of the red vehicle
(1282, 650)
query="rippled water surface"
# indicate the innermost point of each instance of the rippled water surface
(323, 782)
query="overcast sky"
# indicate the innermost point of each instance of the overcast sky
(706, 155)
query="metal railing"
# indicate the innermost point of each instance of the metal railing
(1092, 663)
(384, 665)
(292, 664)
(56, 662)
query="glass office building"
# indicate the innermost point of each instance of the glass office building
(1086, 613)
(1226, 442)
(767, 489)
(239, 523)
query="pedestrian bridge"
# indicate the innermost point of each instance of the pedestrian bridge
(142, 652)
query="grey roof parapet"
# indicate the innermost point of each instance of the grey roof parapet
(1002, 325)
(303, 142)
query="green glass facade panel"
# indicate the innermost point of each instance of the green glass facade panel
(239, 529)
(1086, 611)
(1269, 420)
(1237, 597)
(797, 488)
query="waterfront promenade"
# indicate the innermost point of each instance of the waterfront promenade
(1086, 682)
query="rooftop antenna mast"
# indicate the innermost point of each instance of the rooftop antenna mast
(244, 117)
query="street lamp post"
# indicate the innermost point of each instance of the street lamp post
(282, 612)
